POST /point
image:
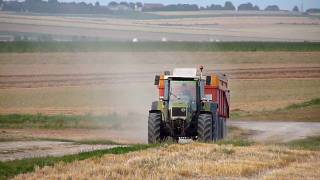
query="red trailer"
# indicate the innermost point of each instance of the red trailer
(216, 90)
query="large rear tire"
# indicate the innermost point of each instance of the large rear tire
(154, 128)
(205, 132)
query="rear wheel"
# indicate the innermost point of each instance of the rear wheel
(154, 128)
(205, 132)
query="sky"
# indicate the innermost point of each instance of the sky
(283, 4)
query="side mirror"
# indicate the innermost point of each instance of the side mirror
(156, 80)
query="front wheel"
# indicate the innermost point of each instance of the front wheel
(205, 132)
(154, 128)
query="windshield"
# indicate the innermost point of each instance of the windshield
(183, 91)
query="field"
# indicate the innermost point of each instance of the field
(113, 46)
(62, 99)
(208, 26)
(106, 90)
(99, 82)
(193, 161)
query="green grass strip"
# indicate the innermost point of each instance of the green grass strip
(310, 143)
(24, 46)
(313, 102)
(236, 142)
(59, 121)
(11, 168)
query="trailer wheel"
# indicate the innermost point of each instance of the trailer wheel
(154, 128)
(205, 128)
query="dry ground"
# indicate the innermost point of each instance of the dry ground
(134, 135)
(30, 149)
(275, 132)
(227, 28)
(192, 161)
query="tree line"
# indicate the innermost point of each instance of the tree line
(53, 6)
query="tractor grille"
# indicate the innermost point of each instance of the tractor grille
(181, 112)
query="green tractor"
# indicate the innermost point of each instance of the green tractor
(190, 106)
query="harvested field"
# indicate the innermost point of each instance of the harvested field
(56, 80)
(258, 27)
(193, 161)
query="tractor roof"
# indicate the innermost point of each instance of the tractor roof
(191, 73)
(185, 73)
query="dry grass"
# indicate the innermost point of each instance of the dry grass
(193, 161)
(271, 94)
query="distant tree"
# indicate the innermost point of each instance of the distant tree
(313, 10)
(53, 6)
(215, 7)
(124, 4)
(13, 6)
(132, 5)
(295, 9)
(272, 8)
(245, 7)
(229, 6)
(113, 4)
(53, 1)
(139, 4)
(248, 7)
(178, 7)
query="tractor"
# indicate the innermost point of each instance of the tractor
(191, 105)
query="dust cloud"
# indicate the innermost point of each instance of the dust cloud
(101, 83)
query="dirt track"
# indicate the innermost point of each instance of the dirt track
(279, 131)
(265, 132)
(29, 149)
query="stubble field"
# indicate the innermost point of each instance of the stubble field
(192, 161)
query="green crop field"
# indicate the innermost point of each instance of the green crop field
(156, 46)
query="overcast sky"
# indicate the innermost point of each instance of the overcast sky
(283, 4)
